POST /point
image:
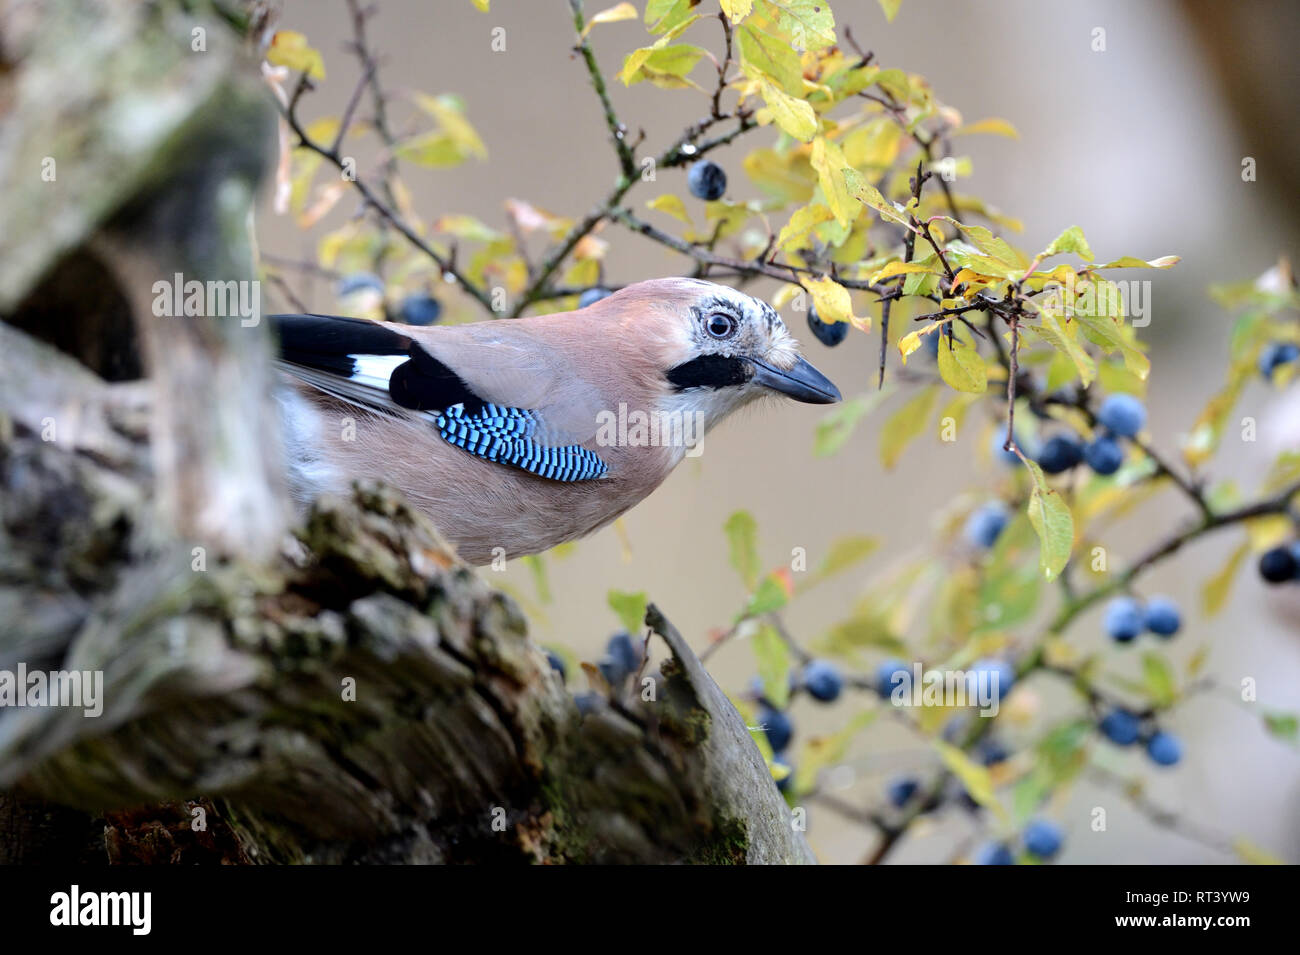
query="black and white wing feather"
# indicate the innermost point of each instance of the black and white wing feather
(511, 417)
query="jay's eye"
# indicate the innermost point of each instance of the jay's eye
(721, 325)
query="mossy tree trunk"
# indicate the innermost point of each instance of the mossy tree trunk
(335, 689)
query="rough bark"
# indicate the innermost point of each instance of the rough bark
(346, 692)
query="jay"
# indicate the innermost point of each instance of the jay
(512, 435)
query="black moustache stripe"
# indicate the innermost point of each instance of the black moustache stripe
(709, 371)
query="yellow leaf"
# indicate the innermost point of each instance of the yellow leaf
(784, 175)
(872, 197)
(828, 160)
(901, 268)
(737, 10)
(290, 48)
(1215, 591)
(481, 5)
(465, 227)
(621, 11)
(670, 205)
(998, 127)
(833, 302)
(891, 8)
(803, 221)
(435, 149)
(912, 340)
(791, 115)
(1269, 530)
(976, 778)
(1253, 854)
(874, 145)
(451, 118)
(961, 366)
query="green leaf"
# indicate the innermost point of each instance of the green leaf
(1008, 592)
(1284, 726)
(837, 427)
(844, 553)
(1071, 240)
(891, 8)
(961, 366)
(1158, 679)
(772, 594)
(994, 247)
(670, 15)
(1052, 521)
(742, 535)
(675, 60)
(904, 425)
(771, 57)
(1065, 340)
(869, 627)
(1129, 262)
(1110, 331)
(810, 23)
(773, 658)
(630, 609)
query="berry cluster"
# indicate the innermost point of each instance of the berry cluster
(1126, 619)
(820, 679)
(1124, 728)
(1042, 839)
(418, 308)
(1120, 416)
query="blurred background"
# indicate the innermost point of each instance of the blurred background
(1140, 144)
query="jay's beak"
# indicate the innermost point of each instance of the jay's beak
(803, 382)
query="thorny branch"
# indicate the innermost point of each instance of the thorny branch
(448, 267)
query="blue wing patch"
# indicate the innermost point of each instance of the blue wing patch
(504, 435)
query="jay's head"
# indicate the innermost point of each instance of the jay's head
(716, 347)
